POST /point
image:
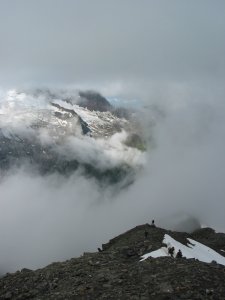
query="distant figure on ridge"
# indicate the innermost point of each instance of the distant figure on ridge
(146, 234)
(99, 250)
(153, 223)
(179, 254)
(171, 251)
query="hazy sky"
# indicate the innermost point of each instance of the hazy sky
(111, 42)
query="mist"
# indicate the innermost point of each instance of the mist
(166, 57)
(53, 217)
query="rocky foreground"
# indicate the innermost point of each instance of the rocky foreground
(117, 273)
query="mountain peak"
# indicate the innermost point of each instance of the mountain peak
(94, 101)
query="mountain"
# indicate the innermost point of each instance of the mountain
(94, 101)
(61, 131)
(118, 271)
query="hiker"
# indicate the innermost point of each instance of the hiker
(146, 234)
(171, 251)
(99, 250)
(153, 223)
(179, 254)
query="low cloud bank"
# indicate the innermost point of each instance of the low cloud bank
(51, 218)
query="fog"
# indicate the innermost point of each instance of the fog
(51, 218)
(169, 57)
(109, 43)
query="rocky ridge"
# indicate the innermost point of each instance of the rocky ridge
(116, 272)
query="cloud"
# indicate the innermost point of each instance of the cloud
(48, 218)
(103, 153)
(104, 43)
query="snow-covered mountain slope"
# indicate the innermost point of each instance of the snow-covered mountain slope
(57, 132)
(100, 124)
(193, 249)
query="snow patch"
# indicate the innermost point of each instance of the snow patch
(100, 123)
(194, 249)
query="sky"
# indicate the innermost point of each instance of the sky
(167, 55)
(111, 43)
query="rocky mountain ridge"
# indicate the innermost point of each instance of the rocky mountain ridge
(116, 272)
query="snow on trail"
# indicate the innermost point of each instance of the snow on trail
(193, 250)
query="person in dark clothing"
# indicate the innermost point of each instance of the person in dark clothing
(171, 251)
(146, 234)
(99, 250)
(179, 254)
(153, 223)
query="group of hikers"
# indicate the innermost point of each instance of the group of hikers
(171, 252)
(171, 249)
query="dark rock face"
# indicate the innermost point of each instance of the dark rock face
(210, 238)
(94, 101)
(117, 273)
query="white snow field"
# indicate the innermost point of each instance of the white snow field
(193, 250)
